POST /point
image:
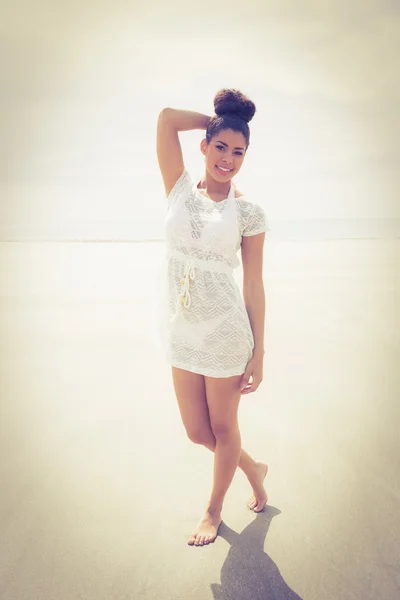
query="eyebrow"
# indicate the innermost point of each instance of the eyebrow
(221, 142)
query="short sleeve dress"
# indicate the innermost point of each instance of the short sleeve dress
(201, 322)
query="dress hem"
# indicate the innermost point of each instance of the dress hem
(209, 372)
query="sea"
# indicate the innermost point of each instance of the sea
(142, 230)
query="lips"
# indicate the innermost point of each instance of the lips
(223, 170)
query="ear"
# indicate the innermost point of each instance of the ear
(203, 146)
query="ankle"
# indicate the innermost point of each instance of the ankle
(214, 508)
(253, 472)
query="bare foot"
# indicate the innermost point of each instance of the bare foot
(259, 498)
(207, 529)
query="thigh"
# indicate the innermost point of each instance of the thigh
(223, 397)
(190, 393)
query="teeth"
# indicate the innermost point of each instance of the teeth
(222, 169)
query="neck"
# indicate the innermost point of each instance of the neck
(213, 187)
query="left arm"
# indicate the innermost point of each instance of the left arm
(254, 300)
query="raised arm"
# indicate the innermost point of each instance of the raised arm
(169, 151)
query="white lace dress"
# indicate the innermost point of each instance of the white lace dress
(201, 321)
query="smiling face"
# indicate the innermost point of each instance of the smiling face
(224, 154)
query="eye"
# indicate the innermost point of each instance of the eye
(223, 148)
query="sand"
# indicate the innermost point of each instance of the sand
(100, 488)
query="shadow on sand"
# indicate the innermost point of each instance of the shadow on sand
(248, 573)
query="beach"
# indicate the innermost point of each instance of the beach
(100, 487)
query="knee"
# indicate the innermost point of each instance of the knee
(223, 431)
(198, 435)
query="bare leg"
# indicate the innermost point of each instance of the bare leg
(223, 397)
(218, 403)
(191, 394)
(255, 471)
(227, 452)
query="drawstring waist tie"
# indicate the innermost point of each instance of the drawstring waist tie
(189, 274)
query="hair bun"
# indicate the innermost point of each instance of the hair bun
(233, 102)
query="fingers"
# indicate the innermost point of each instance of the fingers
(247, 390)
(245, 378)
(243, 384)
(251, 387)
(246, 384)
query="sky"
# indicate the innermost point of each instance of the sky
(82, 89)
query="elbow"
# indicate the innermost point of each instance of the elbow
(164, 113)
(166, 118)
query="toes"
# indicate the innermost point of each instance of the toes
(201, 540)
(192, 539)
(210, 538)
(256, 505)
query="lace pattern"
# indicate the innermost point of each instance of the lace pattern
(203, 323)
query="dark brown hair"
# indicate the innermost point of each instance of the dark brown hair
(233, 110)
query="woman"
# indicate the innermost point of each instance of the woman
(213, 338)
